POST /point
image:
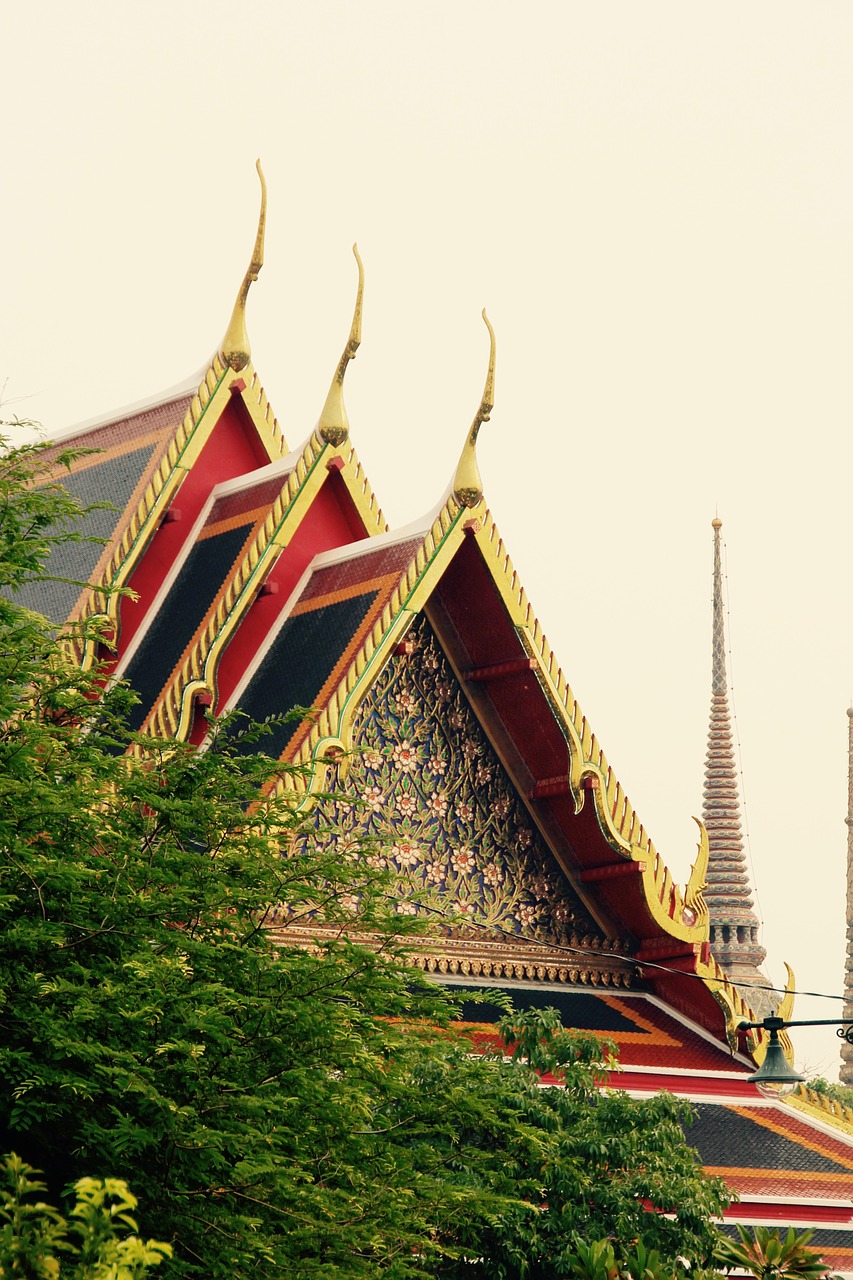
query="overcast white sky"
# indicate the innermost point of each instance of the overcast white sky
(655, 202)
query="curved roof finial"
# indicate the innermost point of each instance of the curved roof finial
(235, 350)
(333, 425)
(467, 485)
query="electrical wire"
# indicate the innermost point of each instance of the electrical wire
(608, 955)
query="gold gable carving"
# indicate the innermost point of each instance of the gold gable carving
(432, 803)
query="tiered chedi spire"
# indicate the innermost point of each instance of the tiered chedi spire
(734, 924)
(847, 1049)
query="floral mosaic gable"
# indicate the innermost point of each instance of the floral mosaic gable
(435, 804)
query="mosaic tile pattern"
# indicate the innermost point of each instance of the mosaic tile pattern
(319, 638)
(744, 1138)
(644, 1034)
(257, 497)
(123, 455)
(297, 666)
(111, 480)
(343, 576)
(578, 1010)
(180, 615)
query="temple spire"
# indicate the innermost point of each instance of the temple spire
(734, 924)
(467, 484)
(718, 635)
(236, 351)
(846, 1049)
(333, 426)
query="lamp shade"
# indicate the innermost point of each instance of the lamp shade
(775, 1077)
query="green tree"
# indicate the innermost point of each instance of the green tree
(572, 1164)
(831, 1089)
(97, 1240)
(278, 1110)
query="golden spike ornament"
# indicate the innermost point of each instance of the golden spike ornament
(467, 484)
(698, 881)
(235, 350)
(786, 1005)
(333, 425)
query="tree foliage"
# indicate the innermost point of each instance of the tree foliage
(278, 1110)
(842, 1093)
(97, 1239)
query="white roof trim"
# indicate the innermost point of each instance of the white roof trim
(695, 1072)
(376, 542)
(828, 1201)
(188, 387)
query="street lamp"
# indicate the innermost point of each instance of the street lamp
(775, 1078)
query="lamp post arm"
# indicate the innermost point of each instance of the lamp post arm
(780, 1024)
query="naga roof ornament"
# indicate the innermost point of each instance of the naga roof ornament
(467, 484)
(734, 924)
(235, 350)
(333, 426)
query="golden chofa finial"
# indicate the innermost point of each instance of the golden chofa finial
(333, 426)
(236, 351)
(467, 485)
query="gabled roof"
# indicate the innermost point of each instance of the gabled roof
(362, 600)
(268, 579)
(224, 543)
(251, 541)
(126, 452)
(142, 462)
(787, 1168)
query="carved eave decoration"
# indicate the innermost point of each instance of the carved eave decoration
(819, 1106)
(480, 959)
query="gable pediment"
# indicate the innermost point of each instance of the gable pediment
(433, 803)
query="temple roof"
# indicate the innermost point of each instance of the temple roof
(267, 578)
(788, 1167)
(265, 581)
(143, 460)
(249, 546)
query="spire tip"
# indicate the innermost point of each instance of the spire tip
(235, 349)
